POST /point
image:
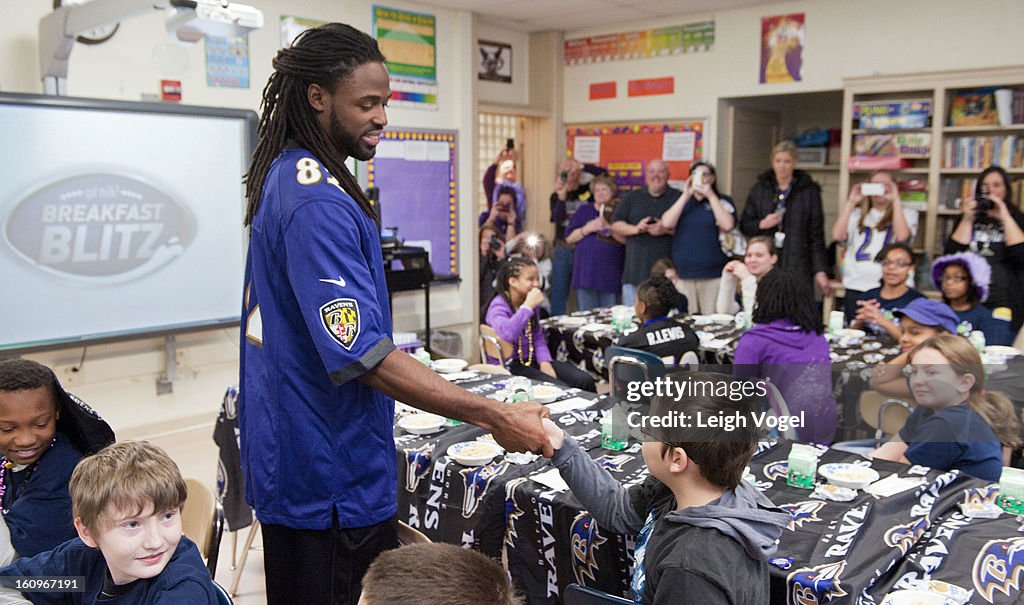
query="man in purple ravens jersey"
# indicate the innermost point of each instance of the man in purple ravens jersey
(318, 369)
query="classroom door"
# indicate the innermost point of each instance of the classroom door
(752, 134)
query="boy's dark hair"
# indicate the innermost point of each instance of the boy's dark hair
(325, 55)
(659, 295)
(506, 190)
(781, 295)
(720, 454)
(27, 375)
(427, 574)
(884, 252)
(83, 427)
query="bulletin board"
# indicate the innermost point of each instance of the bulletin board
(625, 149)
(415, 173)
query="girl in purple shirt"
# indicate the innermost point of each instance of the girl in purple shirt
(514, 315)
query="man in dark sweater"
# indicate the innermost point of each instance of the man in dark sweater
(703, 534)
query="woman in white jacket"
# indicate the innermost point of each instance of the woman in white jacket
(760, 258)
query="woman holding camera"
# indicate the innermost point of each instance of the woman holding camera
(492, 253)
(994, 229)
(872, 218)
(599, 254)
(785, 204)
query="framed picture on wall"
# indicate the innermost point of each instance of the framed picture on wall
(495, 61)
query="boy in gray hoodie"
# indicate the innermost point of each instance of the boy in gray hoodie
(703, 534)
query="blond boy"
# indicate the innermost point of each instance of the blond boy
(127, 502)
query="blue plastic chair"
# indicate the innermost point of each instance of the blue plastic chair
(223, 598)
(582, 595)
(627, 365)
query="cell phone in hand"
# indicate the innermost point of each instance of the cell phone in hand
(510, 144)
(872, 189)
(651, 220)
(563, 176)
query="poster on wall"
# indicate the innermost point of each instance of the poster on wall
(495, 61)
(227, 62)
(415, 173)
(625, 149)
(660, 42)
(782, 48)
(408, 40)
(291, 27)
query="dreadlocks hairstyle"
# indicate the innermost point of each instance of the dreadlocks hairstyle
(782, 295)
(326, 55)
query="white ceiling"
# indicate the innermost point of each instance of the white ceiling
(540, 15)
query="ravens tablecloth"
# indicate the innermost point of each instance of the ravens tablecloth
(832, 552)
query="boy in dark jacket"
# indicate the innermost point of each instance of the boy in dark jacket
(127, 503)
(704, 535)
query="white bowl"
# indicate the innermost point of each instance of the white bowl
(852, 476)
(474, 453)
(998, 354)
(449, 366)
(421, 424)
(722, 318)
(850, 335)
(546, 394)
(951, 591)
(916, 597)
(572, 322)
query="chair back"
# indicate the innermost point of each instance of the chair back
(493, 347)
(777, 403)
(887, 416)
(202, 520)
(489, 368)
(223, 598)
(408, 535)
(575, 594)
(689, 361)
(626, 365)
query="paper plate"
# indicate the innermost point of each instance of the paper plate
(474, 453)
(421, 424)
(546, 393)
(448, 366)
(852, 476)
(916, 597)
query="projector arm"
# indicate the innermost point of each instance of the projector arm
(188, 20)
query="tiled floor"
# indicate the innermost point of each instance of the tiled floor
(196, 455)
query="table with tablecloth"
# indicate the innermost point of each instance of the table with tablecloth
(832, 552)
(582, 337)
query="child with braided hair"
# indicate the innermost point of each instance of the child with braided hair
(514, 314)
(660, 334)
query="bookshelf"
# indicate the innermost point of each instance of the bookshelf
(955, 153)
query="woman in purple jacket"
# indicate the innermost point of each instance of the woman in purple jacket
(514, 315)
(786, 346)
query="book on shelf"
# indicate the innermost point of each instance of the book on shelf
(884, 115)
(1018, 107)
(859, 162)
(974, 108)
(984, 151)
(954, 190)
(907, 144)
